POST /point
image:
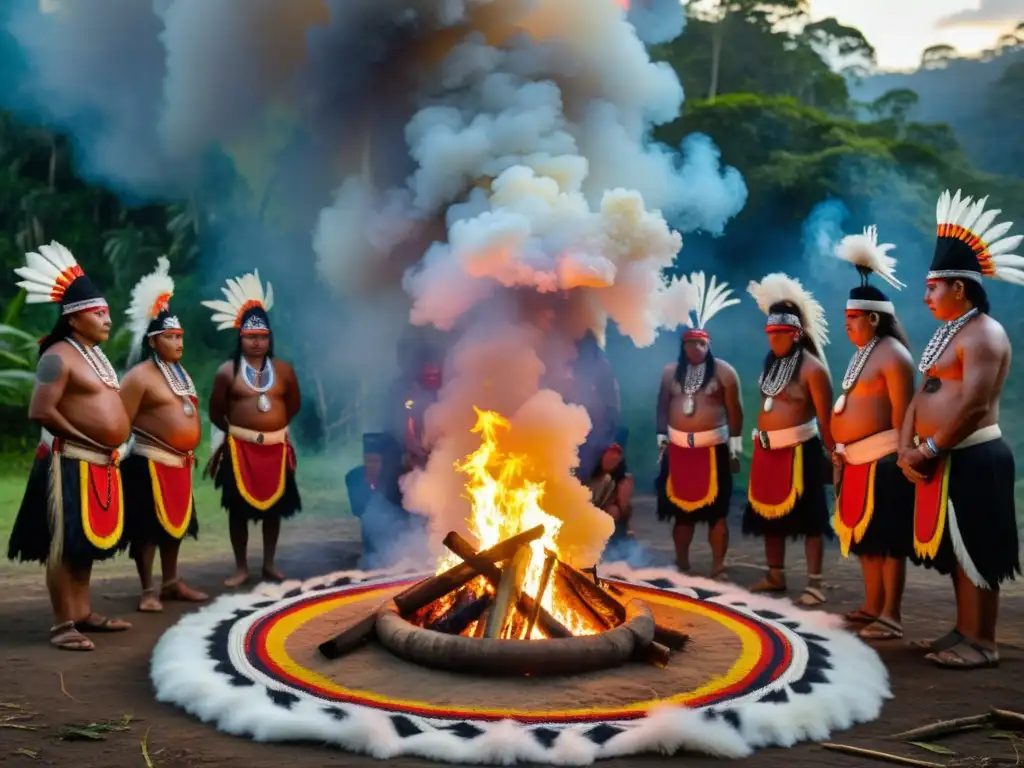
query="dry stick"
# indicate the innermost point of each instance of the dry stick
(883, 756)
(545, 577)
(145, 749)
(945, 727)
(1008, 719)
(63, 689)
(459, 546)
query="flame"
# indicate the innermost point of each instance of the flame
(504, 502)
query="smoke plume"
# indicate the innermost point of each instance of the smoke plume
(491, 158)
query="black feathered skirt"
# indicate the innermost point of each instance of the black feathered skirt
(159, 504)
(257, 480)
(966, 515)
(786, 491)
(874, 513)
(72, 511)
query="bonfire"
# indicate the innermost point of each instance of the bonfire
(512, 604)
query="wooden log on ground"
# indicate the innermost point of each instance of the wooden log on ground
(509, 588)
(349, 639)
(1013, 721)
(883, 756)
(542, 587)
(436, 587)
(548, 624)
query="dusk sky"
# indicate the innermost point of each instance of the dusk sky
(901, 29)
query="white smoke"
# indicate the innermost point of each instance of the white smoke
(475, 152)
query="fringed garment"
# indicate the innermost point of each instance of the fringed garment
(256, 474)
(73, 508)
(158, 493)
(695, 483)
(966, 515)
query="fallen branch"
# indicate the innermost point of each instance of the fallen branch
(145, 749)
(946, 727)
(882, 756)
(1013, 721)
(63, 689)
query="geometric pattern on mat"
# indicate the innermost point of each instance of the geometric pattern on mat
(812, 678)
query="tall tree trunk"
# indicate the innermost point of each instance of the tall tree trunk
(717, 39)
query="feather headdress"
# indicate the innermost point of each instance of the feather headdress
(245, 305)
(710, 299)
(53, 276)
(780, 288)
(149, 311)
(869, 257)
(970, 244)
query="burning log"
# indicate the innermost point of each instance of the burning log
(423, 593)
(545, 577)
(429, 590)
(509, 590)
(609, 611)
(549, 625)
(455, 621)
(609, 606)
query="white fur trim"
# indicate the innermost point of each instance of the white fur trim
(856, 684)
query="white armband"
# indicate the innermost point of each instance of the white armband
(736, 445)
(662, 440)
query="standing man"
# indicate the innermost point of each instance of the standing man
(951, 446)
(161, 401)
(788, 471)
(255, 396)
(72, 513)
(874, 505)
(700, 427)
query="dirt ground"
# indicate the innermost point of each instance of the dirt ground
(48, 691)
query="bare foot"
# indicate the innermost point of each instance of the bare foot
(179, 590)
(237, 579)
(271, 573)
(149, 602)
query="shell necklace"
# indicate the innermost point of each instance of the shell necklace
(180, 382)
(853, 371)
(941, 338)
(255, 381)
(692, 382)
(98, 362)
(778, 378)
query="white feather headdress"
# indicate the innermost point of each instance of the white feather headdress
(779, 287)
(150, 296)
(868, 255)
(48, 275)
(971, 245)
(711, 297)
(240, 295)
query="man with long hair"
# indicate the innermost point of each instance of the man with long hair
(255, 397)
(699, 426)
(874, 504)
(72, 513)
(788, 470)
(951, 445)
(161, 401)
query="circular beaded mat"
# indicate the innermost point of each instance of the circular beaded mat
(756, 672)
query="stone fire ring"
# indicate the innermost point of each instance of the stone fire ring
(756, 672)
(491, 656)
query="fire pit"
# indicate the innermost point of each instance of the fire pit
(477, 618)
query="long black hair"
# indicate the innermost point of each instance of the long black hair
(61, 330)
(682, 363)
(974, 292)
(890, 327)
